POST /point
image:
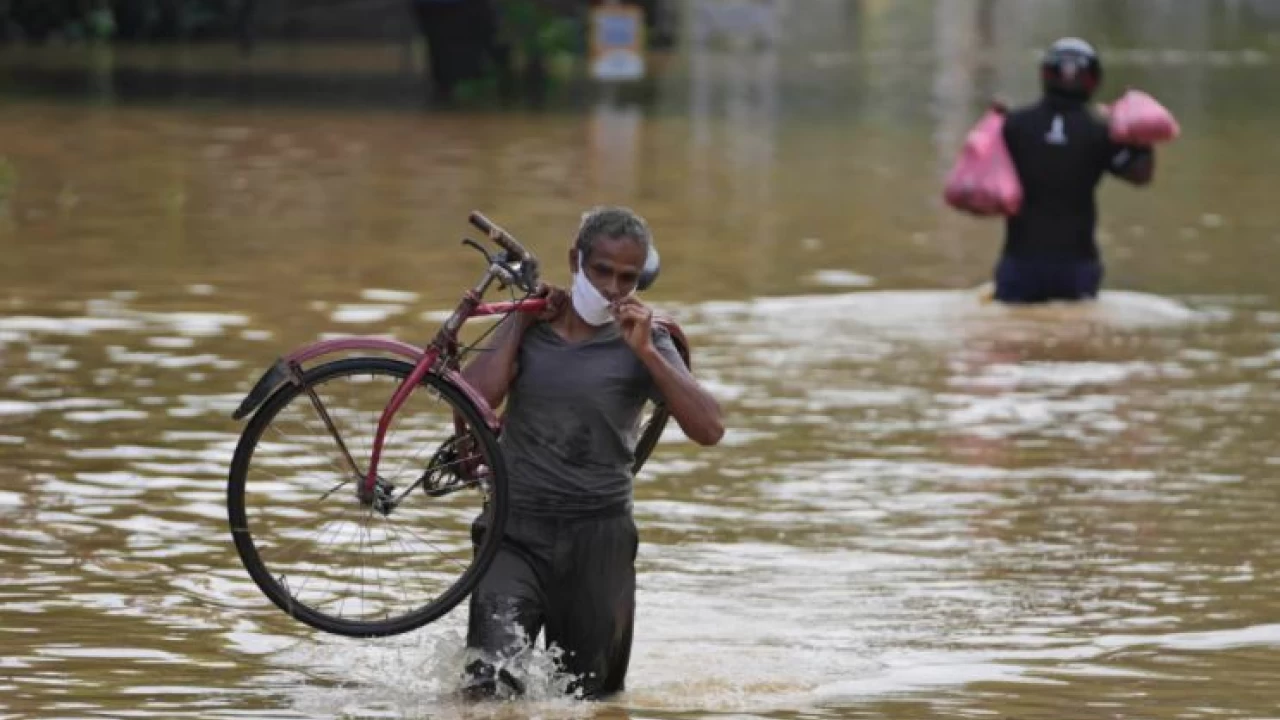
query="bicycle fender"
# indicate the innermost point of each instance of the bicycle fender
(677, 338)
(281, 371)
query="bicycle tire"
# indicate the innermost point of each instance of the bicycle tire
(657, 422)
(276, 587)
(649, 437)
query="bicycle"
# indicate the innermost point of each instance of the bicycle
(447, 468)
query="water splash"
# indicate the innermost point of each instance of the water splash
(399, 677)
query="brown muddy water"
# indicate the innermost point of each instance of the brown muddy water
(925, 506)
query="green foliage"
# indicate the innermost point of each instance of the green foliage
(534, 29)
(128, 19)
(100, 23)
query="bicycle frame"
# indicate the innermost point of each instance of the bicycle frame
(440, 355)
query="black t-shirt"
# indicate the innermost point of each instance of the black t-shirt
(1060, 149)
(573, 420)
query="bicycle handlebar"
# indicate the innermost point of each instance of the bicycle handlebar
(500, 236)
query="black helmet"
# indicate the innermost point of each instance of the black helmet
(1071, 68)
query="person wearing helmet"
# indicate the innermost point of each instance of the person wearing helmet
(1061, 149)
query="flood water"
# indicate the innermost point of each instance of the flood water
(925, 505)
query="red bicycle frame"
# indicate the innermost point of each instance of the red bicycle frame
(444, 346)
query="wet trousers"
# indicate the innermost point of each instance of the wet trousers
(573, 579)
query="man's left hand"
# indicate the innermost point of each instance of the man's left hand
(635, 320)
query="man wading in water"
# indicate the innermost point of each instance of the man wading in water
(576, 381)
(1061, 151)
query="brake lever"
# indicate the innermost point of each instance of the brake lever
(529, 276)
(508, 276)
(526, 278)
(479, 248)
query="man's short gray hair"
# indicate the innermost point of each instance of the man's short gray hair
(612, 222)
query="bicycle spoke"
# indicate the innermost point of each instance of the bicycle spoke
(433, 546)
(415, 568)
(364, 601)
(412, 567)
(437, 468)
(292, 527)
(336, 468)
(377, 573)
(332, 529)
(333, 490)
(422, 448)
(297, 594)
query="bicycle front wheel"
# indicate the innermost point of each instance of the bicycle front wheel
(366, 568)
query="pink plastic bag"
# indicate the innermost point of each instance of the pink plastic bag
(1137, 119)
(984, 180)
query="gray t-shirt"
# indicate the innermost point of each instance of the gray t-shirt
(573, 419)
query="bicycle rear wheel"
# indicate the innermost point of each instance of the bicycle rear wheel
(356, 568)
(653, 426)
(650, 434)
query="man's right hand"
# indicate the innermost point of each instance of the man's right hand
(557, 301)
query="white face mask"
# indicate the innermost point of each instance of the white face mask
(587, 300)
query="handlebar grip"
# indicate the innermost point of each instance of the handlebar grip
(499, 236)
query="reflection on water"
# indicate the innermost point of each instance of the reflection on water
(925, 505)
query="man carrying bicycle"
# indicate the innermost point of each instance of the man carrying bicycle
(576, 380)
